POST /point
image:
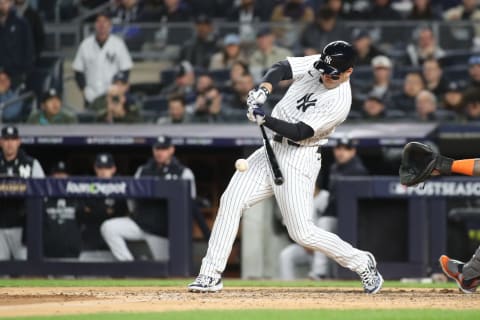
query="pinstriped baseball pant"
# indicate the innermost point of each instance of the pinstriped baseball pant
(300, 167)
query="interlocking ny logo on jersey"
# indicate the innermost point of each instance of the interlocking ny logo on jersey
(305, 102)
(110, 57)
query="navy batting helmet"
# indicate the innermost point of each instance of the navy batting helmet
(336, 57)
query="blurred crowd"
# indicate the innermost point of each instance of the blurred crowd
(400, 74)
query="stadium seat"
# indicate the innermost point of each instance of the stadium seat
(156, 104)
(455, 58)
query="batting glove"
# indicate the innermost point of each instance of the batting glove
(256, 114)
(258, 96)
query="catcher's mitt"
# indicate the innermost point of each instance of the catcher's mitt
(418, 162)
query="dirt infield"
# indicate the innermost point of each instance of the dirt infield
(56, 301)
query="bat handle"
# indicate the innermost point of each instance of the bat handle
(278, 181)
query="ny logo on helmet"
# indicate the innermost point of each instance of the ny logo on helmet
(328, 59)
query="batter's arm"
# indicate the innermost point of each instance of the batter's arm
(293, 131)
(278, 72)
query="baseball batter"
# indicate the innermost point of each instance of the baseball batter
(316, 103)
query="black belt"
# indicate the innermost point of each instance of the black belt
(279, 138)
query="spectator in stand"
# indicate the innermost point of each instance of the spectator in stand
(94, 211)
(115, 108)
(246, 13)
(321, 32)
(51, 111)
(230, 53)
(289, 18)
(128, 11)
(453, 97)
(435, 82)
(341, 9)
(426, 106)
(422, 10)
(266, 53)
(121, 80)
(17, 52)
(238, 99)
(467, 11)
(412, 85)
(474, 72)
(61, 232)
(204, 44)
(381, 9)
(177, 112)
(208, 107)
(149, 220)
(15, 163)
(364, 48)
(99, 58)
(472, 106)
(238, 70)
(175, 11)
(12, 111)
(25, 10)
(184, 83)
(382, 80)
(373, 109)
(426, 47)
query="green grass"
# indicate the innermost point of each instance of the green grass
(280, 315)
(26, 282)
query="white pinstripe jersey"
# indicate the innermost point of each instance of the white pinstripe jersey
(307, 100)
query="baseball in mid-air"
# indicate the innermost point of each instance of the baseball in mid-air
(241, 165)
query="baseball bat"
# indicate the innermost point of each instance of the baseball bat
(272, 159)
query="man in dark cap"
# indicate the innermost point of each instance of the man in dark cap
(51, 111)
(199, 49)
(95, 210)
(184, 84)
(266, 52)
(365, 50)
(14, 162)
(149, 220)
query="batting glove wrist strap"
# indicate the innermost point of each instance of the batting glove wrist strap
(258, 96)
(443, 164)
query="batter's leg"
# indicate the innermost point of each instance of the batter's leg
(321, 265)
(295, 199)
(244, 190)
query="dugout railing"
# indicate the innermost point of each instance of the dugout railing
(176, 192)
(406, 228)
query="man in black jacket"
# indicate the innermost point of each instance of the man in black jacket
(149, 220)
(94, 211)
(14, 163)
(25, 10)
(16, 44)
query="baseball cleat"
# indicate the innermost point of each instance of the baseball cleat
(372, 280)
(453, 269)
(205, 284)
